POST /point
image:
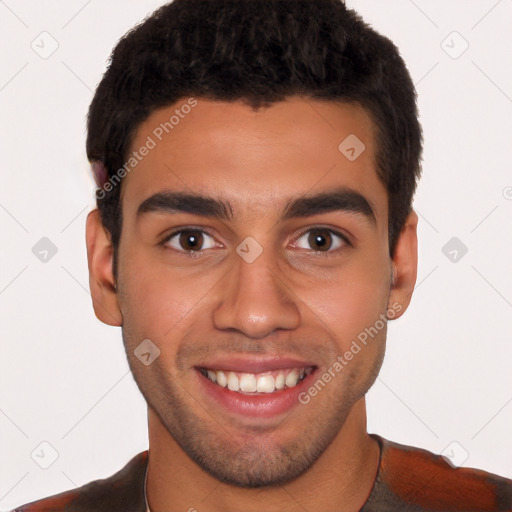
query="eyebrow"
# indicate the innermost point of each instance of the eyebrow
(341, 199)
(175, 202)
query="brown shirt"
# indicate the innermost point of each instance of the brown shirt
(409, 480)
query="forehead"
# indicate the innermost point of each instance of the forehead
(257, 160)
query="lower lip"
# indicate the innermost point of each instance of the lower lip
(265, 405)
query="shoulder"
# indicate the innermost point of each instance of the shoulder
(426, 481)
(121, 492)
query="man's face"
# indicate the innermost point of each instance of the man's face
(193, 281)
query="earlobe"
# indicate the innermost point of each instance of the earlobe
(404, 265)
(101, 277)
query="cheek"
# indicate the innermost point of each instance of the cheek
(159, 300)
(353, 301)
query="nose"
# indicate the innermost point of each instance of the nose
(256, 301)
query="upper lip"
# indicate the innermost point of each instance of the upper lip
(254, 364)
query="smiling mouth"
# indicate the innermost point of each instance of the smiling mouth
(257, 383)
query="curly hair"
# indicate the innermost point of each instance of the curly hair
(258, 52)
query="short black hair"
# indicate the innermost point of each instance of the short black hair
(259, 52)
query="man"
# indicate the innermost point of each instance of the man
(256, 163)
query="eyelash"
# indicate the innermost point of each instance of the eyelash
(195, 254)
(328, 253)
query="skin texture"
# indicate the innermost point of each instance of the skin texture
(294, 300)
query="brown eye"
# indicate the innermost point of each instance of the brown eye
(320, 239)
(190, 240)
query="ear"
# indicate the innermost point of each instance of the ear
(101, 276)
(405, 266)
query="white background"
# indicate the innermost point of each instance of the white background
(64, 376)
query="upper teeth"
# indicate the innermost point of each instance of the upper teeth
(258, 382)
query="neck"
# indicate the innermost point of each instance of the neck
(340, 479)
